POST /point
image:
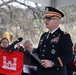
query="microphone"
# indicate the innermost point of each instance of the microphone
(11, 47)
(20, 39)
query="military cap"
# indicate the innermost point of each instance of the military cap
(50, 11)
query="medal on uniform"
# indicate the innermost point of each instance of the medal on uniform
(55, 40)
(53, 51)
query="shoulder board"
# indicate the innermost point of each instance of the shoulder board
(65, 33)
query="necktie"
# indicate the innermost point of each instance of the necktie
(48, 35)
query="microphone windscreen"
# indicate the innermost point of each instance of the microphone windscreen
(20, 39)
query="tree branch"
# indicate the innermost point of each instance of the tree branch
(6, 3)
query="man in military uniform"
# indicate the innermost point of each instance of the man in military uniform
(55, 46)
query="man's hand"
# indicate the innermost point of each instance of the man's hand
(47, 63)
(74, 73)
(31, 67)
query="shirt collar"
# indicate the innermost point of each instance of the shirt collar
(53, 30)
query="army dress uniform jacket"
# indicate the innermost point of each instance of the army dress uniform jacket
(58, 48)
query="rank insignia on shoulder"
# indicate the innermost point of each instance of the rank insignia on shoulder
(53, 51)
(65, 32)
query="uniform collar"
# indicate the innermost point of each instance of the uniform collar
(54, 30)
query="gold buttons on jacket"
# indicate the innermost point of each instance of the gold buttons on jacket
(52, 45)
(53, 35)
(53, 51)
(43, 55)
(57, 68)
(44, 45)
(43, 50)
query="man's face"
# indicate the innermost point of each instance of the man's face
(28, 46)
(52, 22)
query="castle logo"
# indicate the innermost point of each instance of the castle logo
(10, 65)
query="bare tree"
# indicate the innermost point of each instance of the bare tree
(24, 22)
